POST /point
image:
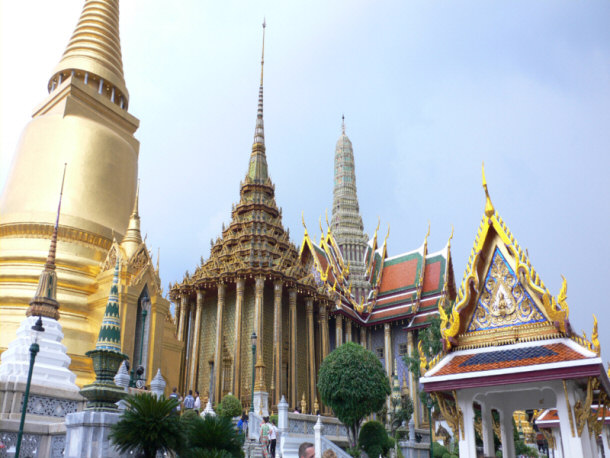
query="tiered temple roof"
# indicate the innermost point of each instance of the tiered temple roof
(255, 242)
(409, 286)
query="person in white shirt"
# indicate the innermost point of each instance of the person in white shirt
(272, 438)
(197, 402)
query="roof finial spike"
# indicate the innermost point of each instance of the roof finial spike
(450, 237)
(53, 248)
(263, 53)
(136, 202)
(489, 208)
(343, 124)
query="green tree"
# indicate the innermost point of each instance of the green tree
(353, 383)
(212, 437)
(148, 426)
(230, 406)
(374, 439)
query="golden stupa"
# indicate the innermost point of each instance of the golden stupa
(83, 122)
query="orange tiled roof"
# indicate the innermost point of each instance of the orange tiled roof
(432, 276)
(398, 275)
(492, 358)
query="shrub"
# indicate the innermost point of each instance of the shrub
(438, 451)
(374, 440)
(230, 406)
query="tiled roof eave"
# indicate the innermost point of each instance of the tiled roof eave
(591, 367)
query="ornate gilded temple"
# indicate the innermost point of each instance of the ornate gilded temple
(250, 284)
(85, 123)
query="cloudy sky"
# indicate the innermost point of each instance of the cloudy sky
(429, 89)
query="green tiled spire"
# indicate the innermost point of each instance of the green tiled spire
(110, 332)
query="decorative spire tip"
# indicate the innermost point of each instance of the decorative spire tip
(489, 208)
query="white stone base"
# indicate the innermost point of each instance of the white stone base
(261, 403)
(52, 362)
(87, 434)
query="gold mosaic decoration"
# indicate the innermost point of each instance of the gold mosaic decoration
(503, 301)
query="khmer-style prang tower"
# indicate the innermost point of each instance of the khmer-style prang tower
(346, 223)
(83, 122)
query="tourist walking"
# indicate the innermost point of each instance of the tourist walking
(189, 401)
(177, 397)
(264, 436)
(197, 402)
(242, 424)
(272, 438)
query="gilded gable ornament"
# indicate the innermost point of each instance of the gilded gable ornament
(503, 301)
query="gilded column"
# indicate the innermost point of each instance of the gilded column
(239, 300)
(218, 349)
(348, 330)
(413, 385)
(195, 341)
(277, 339)
(258, 316)
(183, 307)
(363, 336)
(324, 330)
(338, 331)
(292, 311)
(311, 361)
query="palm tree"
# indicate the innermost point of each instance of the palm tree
(211, 437)
(148, 425)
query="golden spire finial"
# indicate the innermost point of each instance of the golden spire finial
(136, 202)
(95, 46)
(263, 54)
(321, 228)
(595, 336)
(327, 223)
(378, 223)
(489, 208)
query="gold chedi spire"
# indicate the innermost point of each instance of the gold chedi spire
(45, 302)
(95, 48)
(82, 121)
(133, 237)
(257, 171)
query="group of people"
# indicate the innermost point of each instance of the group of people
(268, 437)
(189, 402)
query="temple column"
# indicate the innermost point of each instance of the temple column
(413, 390)
(363, 336)
(311, 361)
(506, 430)
(218, 349)
(387, 349)
(277, 339)
(348, 330)
(466, 436)
(184, 302)
(261, 396)
(487, 431)
(194, 359)
(338, 330)
(292, 311)
(239, 300)
(324, 331)
(571, 443)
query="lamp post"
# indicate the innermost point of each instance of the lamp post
(253, 342)
(34, 349)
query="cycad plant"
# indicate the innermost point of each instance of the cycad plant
(211, 437)
(147, 426)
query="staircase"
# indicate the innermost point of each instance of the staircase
(253, 449)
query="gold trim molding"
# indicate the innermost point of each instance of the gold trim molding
(41, 230)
